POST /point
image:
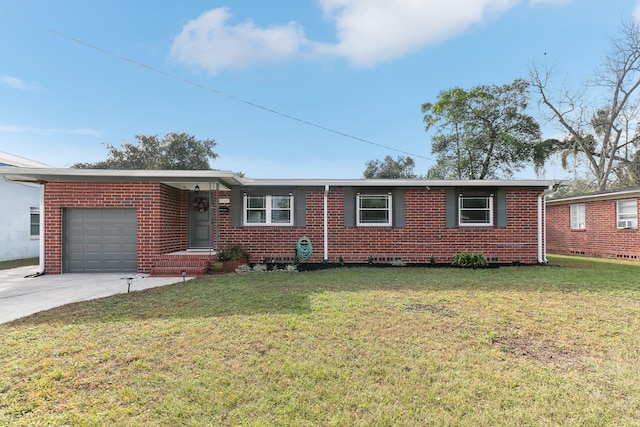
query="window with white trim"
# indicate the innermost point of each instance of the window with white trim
(627, 213)
(578, 216)
(34, 223)
(475, 210)
(374, 210)
(268, 210)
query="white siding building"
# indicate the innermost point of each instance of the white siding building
(19, 213)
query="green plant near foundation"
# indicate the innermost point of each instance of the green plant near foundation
(470, 260)
(232, 252)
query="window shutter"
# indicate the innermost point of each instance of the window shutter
(300, 208)
(501, 208)
(451, 206)
(236, 207)
(349, 208)
(398, 208)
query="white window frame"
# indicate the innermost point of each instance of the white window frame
(34, 211)
(389, 209)
(489, 208)
(627, 213)
(269, 210)
(578, 217)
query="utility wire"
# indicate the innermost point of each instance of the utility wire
(209, 89)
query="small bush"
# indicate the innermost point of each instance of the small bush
(232, 253)
(470, 260)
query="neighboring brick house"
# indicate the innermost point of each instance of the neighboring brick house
(602, 225)
(99, 220)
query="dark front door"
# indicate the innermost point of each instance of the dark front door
(200, 221)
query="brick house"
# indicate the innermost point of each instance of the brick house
(601, 225)
(152, 221)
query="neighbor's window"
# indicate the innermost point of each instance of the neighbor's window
(627, 216)
(34, 229)
(268, 210)
(475, 210)
(577, 216)
(374, 210)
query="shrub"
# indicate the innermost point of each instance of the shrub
(470, 260)
(232, 252)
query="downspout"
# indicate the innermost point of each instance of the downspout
(210, 220)
(217, 218)
(41, 243)
(542, 225)
(326, 223)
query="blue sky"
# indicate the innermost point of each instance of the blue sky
(351, 73)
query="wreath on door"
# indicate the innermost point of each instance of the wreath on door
(201, 204)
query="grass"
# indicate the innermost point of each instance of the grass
(24, 262)
(344, 347)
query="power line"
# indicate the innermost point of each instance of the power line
(209, 89)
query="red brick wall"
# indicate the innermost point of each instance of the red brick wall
(162, 226)
(424, 234)
(600, 237)
(161, 214)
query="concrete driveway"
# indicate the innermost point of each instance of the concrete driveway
(21, 295)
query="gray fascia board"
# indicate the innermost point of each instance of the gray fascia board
(116, 175)
(397, 183)
(229, 178)
(616, 195)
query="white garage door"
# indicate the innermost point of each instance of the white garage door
(99, 240)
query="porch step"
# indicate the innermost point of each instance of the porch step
(171, 265)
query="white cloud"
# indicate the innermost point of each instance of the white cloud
(212, 43)
(543, 2)
(49, 131)
(367, 32)
(18, 84)
(372, 31)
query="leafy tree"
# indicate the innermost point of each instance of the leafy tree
(483, 133)
(173, 151)
(601, 119)
(401, 168)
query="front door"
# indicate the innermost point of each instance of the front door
(200, 221)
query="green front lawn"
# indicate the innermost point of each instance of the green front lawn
(14, 263)
(344, 347)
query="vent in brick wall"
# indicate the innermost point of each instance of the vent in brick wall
(626, 256)
(383, 259)
(492, 259)
(577, 252)
(279, 260)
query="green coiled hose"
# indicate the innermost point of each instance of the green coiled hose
(304, 249)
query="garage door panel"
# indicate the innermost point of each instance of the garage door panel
(100, 240)
(113, 248)
(113, 230)
(92, 232)
(130, 247)
(92, 248)
(130, 231)
(116, 215)
(75, 232)
(92, 215)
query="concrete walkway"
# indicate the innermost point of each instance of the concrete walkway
(21, 295)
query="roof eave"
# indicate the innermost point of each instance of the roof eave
(592, 197)
(231, 179)
(398, 183)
